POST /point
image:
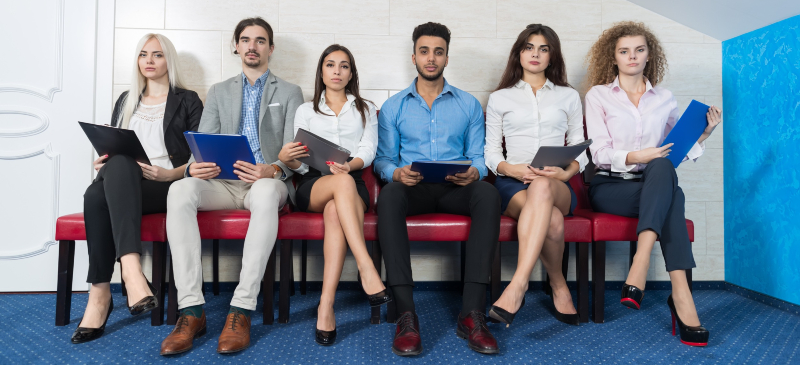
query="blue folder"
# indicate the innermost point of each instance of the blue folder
(686, 131)
(436, 171)
(221, 149)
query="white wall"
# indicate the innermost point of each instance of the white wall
(378, 32)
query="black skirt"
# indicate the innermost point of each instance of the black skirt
(303, 194)
(508, 186)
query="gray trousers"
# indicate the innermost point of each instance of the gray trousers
(188, 196)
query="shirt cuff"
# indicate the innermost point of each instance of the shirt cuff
(186, 172)
(478, 167)
(696, 151)
(302, 170)
(388, 172)
(618, 162)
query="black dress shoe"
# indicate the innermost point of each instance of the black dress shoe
(380, 298)
(573, 319)
(83, 334)
(147, 303)
(503, 315)
(631, 296)
(324, 338)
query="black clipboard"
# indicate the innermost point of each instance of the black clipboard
(320, 150)
(560, 156)
(114, 141)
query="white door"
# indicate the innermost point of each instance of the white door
(55, 70)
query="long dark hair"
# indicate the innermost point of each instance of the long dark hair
(556, 72)
(351, 87)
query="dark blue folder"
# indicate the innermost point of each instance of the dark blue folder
(221, 149)
(686, 131)
(436, 171)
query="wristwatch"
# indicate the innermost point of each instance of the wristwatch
(278, 174)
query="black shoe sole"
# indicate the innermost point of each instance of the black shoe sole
(498, 318)
(461, 334)
(407, 353)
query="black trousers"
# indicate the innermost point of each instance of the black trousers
(658, 202)
(113, 206)
(478, 200)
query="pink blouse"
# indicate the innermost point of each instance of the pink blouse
(617, 127)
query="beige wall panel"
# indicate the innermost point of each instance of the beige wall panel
(341, 17)
(139, 14)
(198, 54)
(570, 19)
(715, 228)
(574, 53)
(476, 64)
(471, 18)
(665, 29)
(218, 15)
(696, 212)
(376, 96)
(702, 180)
(694, 69)
(384, 62)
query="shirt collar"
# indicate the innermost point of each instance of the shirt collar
(322, 105)
(647, 85)
(547, 84)
(261, 80)
(413, 88)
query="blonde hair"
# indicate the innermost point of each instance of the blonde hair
(600, 59)
(139, 82)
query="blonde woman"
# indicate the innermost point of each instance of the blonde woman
(628, 116)
(159, 110)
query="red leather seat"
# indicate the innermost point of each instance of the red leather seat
(72, 227)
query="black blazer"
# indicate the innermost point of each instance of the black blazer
(182, 114)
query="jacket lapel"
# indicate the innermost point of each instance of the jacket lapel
(235, 93)
(174, 99)
(266, 98)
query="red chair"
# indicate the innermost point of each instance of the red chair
(609, 227)
(71, 228)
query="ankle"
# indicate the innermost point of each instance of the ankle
(326, 302)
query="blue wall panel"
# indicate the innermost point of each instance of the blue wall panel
(761, 96)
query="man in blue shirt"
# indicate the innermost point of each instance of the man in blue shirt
(432, 120)
(261, 107)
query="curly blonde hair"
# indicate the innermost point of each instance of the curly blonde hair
(600, 59)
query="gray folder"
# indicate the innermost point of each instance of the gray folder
(320, 150)
(560, 156)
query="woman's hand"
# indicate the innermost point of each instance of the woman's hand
(713, 118)
(99, 162)
(648, 154)
(553, 172)
(339, 168)
(516, 171)
(291, 151)
(156, 173)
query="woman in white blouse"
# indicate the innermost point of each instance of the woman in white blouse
(158, 110)
(338, 114)
(534, 106)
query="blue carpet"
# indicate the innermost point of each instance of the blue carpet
(742, 331)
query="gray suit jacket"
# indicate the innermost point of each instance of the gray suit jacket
(223, 112)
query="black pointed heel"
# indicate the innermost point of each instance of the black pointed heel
(690, 335)
(147, 303)
(631, 296)
(380, 298)
(324, 338)
(504, 316)
(83, 334)
(573, 319)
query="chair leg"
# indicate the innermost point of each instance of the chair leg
(463, 263)
(172, 300)
(122, 286)
(375, 312)
(598, 280)
(303, 265)
(291, 267)
(159, 281)
(66, 261)
(582, 266)
(632, 252)
(286, 281)
(215, 266)
(494, 288)
(689, 279)
(267, 287)
(565, 261)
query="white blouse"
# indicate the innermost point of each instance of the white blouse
(529, 121)
(147, 122)
(345, 129)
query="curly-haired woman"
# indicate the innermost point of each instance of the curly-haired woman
(628, 117)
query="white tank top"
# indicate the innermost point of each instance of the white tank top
(147, 122)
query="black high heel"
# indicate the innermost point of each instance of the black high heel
(631, 296)
(324, 338)
(573, 319)
(504, 316)
(690, 335)
(83, 334)
(378, 299)
(146, 304)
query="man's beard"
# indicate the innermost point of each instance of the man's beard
(421, 70)
(252, 63)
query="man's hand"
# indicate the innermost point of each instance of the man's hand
(156, 173)
(339, 168)
(406, 176)
(99, 162)
(554, 172)
(648, 154)
(204, 170)
(248, 172)
(464, 178)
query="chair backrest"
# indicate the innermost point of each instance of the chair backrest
(581, 192)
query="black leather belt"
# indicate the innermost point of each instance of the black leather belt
(621, 175)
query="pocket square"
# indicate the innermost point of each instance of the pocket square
(274, 104)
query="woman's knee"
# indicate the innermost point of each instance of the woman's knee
(95, 195)
(121, 161)
(540, 190)
(661, 164)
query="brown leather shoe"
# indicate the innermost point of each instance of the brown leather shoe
(235, 336)
(473, 328)
(407, 341)
(186, 330)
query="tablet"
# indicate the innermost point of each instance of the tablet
(320, 151)
(560, 156)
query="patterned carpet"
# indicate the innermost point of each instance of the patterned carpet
(742, 331)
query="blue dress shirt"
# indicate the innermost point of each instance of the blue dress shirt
(251, 103)
(408, 131)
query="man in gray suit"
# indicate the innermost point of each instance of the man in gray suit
(261, 107)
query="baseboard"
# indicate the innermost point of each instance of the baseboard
(763, 298)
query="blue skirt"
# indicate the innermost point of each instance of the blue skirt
(509, 186)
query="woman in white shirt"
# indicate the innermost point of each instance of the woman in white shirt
(534, 106)
(338, 114)
(159, 112)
